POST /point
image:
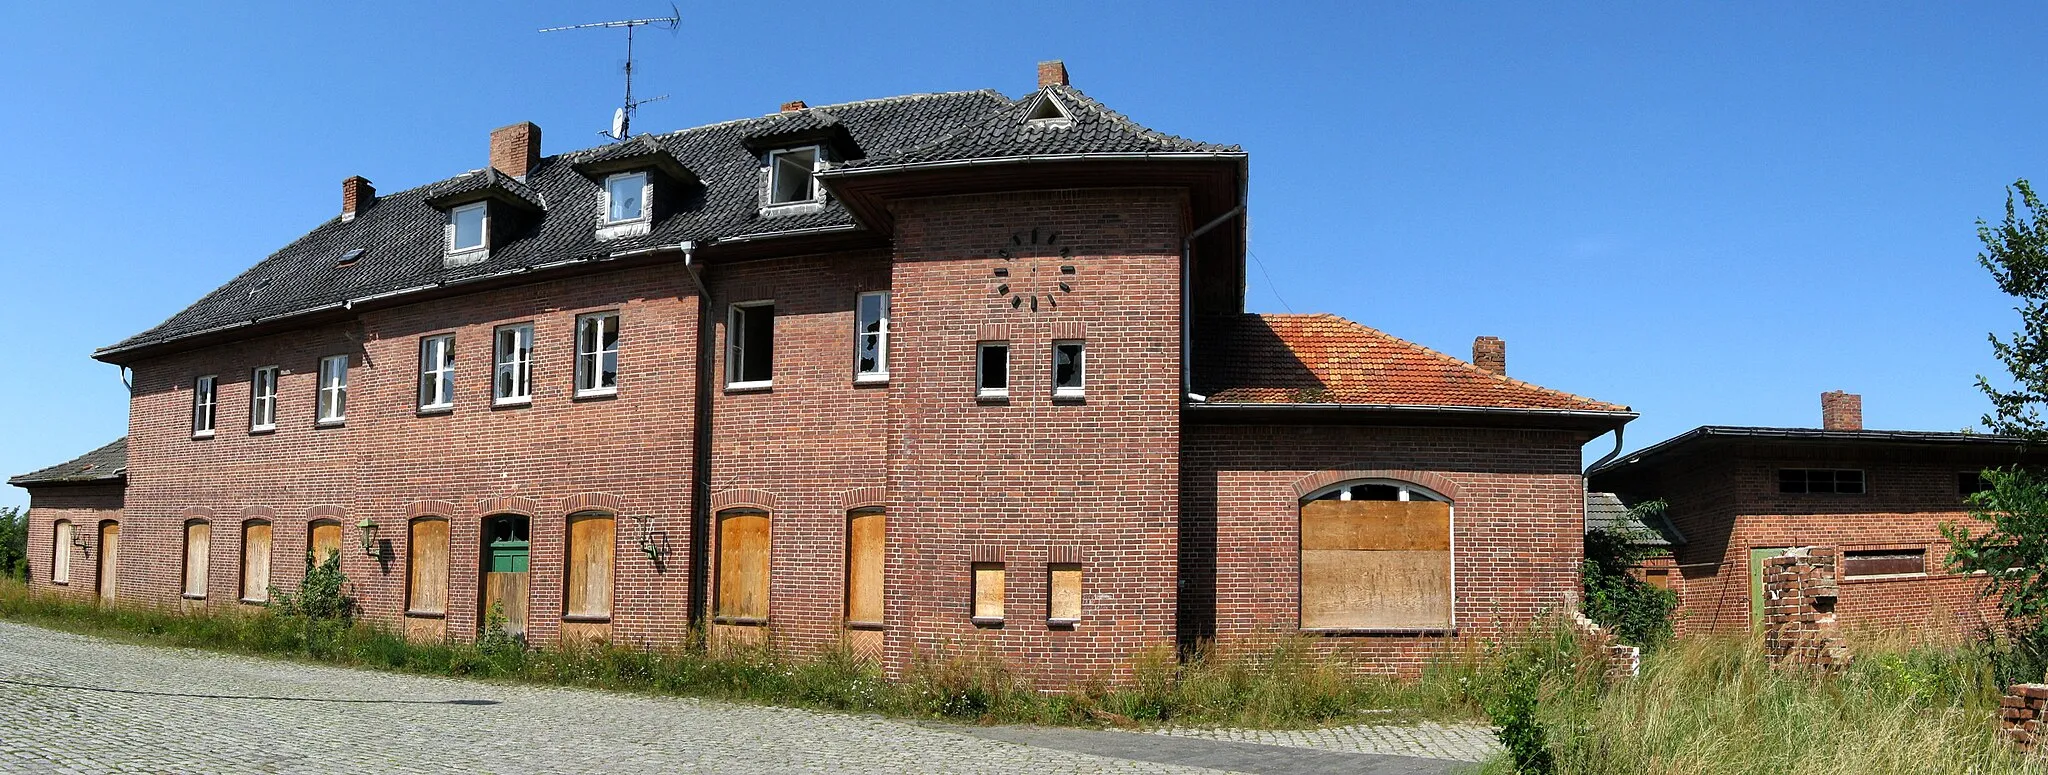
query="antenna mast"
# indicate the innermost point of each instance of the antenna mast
(622, 121)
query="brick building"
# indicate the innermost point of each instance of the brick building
(936, 374)
(1742, 495)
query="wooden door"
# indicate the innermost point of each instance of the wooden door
(505, 572)
(110, 553)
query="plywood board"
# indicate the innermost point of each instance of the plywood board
(509, 591)
(589, 591)
(743, 566)
(1065, 598)
(256, 561)
(427, 556)
(1343, 589)
(60, 554)
(198, 545)
(988, 590)
(865, 537)
(325, 540)
(586, 632)
(1392, 525)
(426, 630)
(110, 559)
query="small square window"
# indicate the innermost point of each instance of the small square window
(625, 197)
(437, 372)
(871, 337)
(992, 370)
(469, 227)
(750, 345)
(1067, 368)
(204, 405)
(792, 176)
(1820, 481)
(597, 354)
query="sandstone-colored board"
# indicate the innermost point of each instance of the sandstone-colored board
(508, 590)
(256, 561)
(743, 566)
(1391, 525)
(988, 590)
(1064, 600)
(428, 557)
(866, 534)
(198, 548)
(589, 590)
(1375, 590)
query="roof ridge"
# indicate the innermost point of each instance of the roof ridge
(1124, 121)
(1457, 362)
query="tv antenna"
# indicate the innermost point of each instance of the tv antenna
(622, 120)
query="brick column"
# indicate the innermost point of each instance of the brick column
(1800, 629)
(2020, 716)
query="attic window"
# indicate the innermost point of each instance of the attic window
(792, 176)
(349, 258)
(624, 197)
(468, 221)
(1047, 111)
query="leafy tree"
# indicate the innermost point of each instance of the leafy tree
(1635, 611)
(2016, 254)
(13, 543)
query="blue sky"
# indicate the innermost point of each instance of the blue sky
(1712, 214)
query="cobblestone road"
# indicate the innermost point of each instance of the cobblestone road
(75, 704)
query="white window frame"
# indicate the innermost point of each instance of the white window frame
(646, 209)
(437, 372)
(263, 399)
(735, 344)
(1080, 387)
(817, 190)
(205, 405)
(981, 350)
(588, 376)
(483, 231)
(518, 362)
(881, 337)
(332, 401)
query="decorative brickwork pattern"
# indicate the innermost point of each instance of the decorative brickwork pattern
(1800, 627)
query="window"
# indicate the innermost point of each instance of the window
(255, 561)
(866, 533)
(750, 345)
(426, 586)
(597, 354)
(1820, 481)
(514, 381)
(792, 176)
(437, 372)
(992, 370)
(323, 540)
(1970, 483)
(333, 389)
(1884, 562)
(468, 231)
(624, 196)
(203, 405)
(1067, 368)
(1376, 556)
(1063, 598)
(198, 543)
(60, 552)
(590, 551)
(263, 399)
(742, 568)
(988, 593)
(871, 337)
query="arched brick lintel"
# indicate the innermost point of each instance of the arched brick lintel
(1430, 479)
(261, 513)
(197, 512)
(429, 508)
(864, 498)
(727, 499)
(593, 501)
(336, 513)
(508, 504)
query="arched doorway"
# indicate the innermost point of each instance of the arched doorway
(506, 558)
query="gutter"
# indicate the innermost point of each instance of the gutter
(1421, 408)
(849, 172)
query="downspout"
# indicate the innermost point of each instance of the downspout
(1610, 455)
(700, 447)
(1187, 322)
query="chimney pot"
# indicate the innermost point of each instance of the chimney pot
(793, 106)
(1053, 72)
(515, 149)
(1490, 354)
(1840, 411)
(356, 196)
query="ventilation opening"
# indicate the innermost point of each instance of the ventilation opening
(1048, 109)
(349, 258)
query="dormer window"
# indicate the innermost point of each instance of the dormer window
(792, 176)
(625, 197)
(467, 233)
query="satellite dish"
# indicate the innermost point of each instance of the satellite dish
(619, 123)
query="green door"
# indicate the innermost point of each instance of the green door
(1756, 582)
(505, 563)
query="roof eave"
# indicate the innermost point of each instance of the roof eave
(867, 199)
(1706, 434)
(1411, 414)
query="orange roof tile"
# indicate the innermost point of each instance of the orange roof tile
(1325, 359)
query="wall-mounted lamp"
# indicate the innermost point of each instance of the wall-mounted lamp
(368, 529)
(648, 538)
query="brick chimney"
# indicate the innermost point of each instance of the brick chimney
(515, 149)
(793, 106)
(1490, 354)
(1053, 72)
(356, 196)
(1841, 411)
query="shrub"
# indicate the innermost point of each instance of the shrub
(1635, 611)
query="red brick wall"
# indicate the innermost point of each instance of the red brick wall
(86, 506)
(1518, 525)
(1032, 476)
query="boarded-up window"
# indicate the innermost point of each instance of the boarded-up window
(427, 567)
(1376, 565)
(988, 591)
(865, 534)
(590, 553)
(324, 538)
(198, 543)
(1064, 601)
(743, 567)
(60, 553)
(256, 561)
(110, 559)
(1884, 562)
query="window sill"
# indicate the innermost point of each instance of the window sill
(335, 423)
(871, 379)
(262, 430)
(1069, 397)
(426, 614)
(1062, 624)
(255, 601)
(992, 396)
(596, 395)
(428, 411)
(759, 386)
(466, 256)
(631, 227)
(190, 596)
(512, 403)
(776, 209)
(1883, 577)
(60, 583)
(741, 621)
(988, 621)
(1383, 631)
(587, 618)
(877, 626)
(197, 435)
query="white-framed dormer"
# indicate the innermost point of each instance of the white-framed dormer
(627, 206)
(468, 234)
(789, 180)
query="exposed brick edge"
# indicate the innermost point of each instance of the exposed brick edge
(196, 512)
(1069, 329)
(1321, 479)
(508, 504)
(992, 332)
(726, 499)
(429, 508)
(336, 513)
(2021, 712)
(987, 553)
(264, 513)
(863, 498)
(1063, 555)
(593, 501)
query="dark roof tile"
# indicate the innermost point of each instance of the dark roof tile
(106, 464)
